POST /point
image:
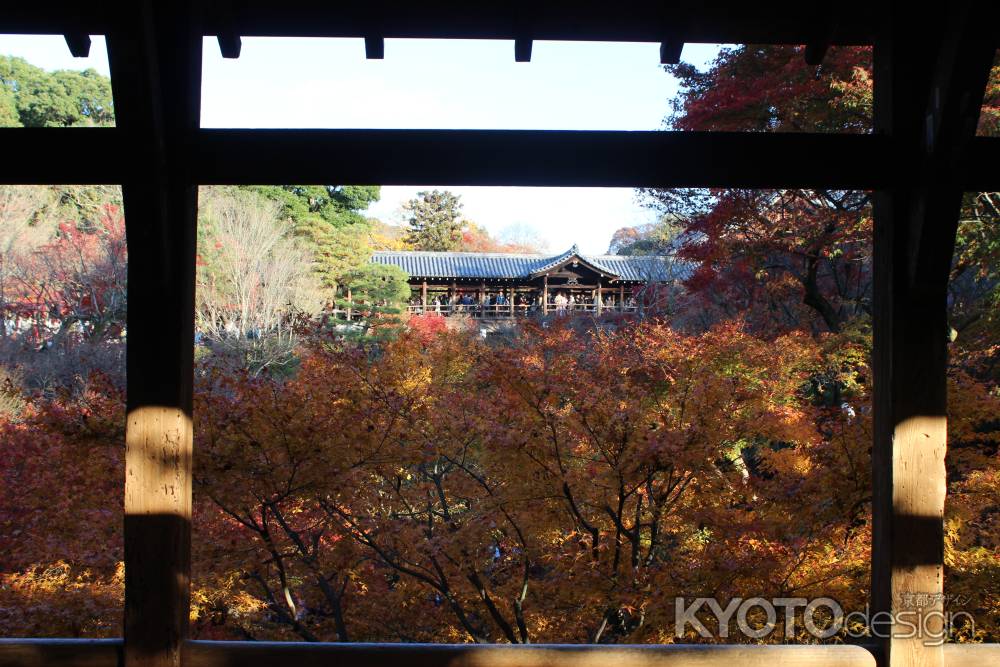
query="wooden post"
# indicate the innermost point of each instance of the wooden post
(621, 298)
(598, 306)
(545, 295)
(929, 81)
(423, 296)
(154, 50)
(349, 304)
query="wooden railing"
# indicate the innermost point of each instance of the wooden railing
(108, 653)
(517, 310)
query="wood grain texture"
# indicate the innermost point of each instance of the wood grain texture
(108, 653)
(929, 77)
(154, 52)
(263, 654)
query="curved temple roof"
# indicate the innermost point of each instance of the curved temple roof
(487, 266)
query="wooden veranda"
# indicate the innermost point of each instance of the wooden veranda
(931, 67)
(516, 285)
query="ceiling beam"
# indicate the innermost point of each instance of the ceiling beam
(670, 51)
(230, 45)
(541, 158)
(488, 157)
(78, 43)
(724, 21)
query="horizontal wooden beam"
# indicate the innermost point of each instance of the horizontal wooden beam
(541, 158)
(488, 157)
(58, 155)
(723, 21)
(61, 652)
(264, 654)
(107, 653)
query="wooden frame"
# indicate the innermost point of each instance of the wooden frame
(930, 70)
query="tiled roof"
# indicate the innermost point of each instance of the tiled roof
(424, 264)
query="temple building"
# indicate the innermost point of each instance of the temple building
(499, 284)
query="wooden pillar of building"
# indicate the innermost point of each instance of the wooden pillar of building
(929, 80)
(598, 305)
(423, 296)
(154, 51)
(350, 302)
(545, 295)
(621, 297)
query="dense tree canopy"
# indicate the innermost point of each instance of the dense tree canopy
(32, 97)
(435, 221)
(411, 479)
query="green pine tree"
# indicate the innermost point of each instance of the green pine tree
(435, 220)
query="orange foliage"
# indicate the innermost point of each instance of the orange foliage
(559, 486)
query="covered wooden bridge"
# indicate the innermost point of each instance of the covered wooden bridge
(931, 65)
(510, 285)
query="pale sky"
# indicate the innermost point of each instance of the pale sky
(302, 83)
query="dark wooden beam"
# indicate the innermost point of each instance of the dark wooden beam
(723, 21)
(374, 48)
(670, 51)
(61, 652)
(781, 21)
(553, 158)
(95, 155)
(522, 50)
(78, 43)
(154, 51)
(930, 74)
(230, 45)
(49, 155)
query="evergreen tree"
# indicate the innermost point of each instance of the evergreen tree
(435, 220)
(64, 98)
(333, 205)
(378, 292)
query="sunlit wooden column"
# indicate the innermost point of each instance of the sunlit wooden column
(154, 52)
(423, 296)
(929, 80)
(545, 295)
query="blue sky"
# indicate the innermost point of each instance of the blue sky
(440, 84)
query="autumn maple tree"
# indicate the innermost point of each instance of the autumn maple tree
(414, 480)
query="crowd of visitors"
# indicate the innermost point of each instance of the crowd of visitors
(502, 303)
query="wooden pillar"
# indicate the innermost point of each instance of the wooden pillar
(154, 50)
(621, 297)
(510, 296)
(350, 302)
(598, 306)
(929, 79)
(545, 295)
(423, 296)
